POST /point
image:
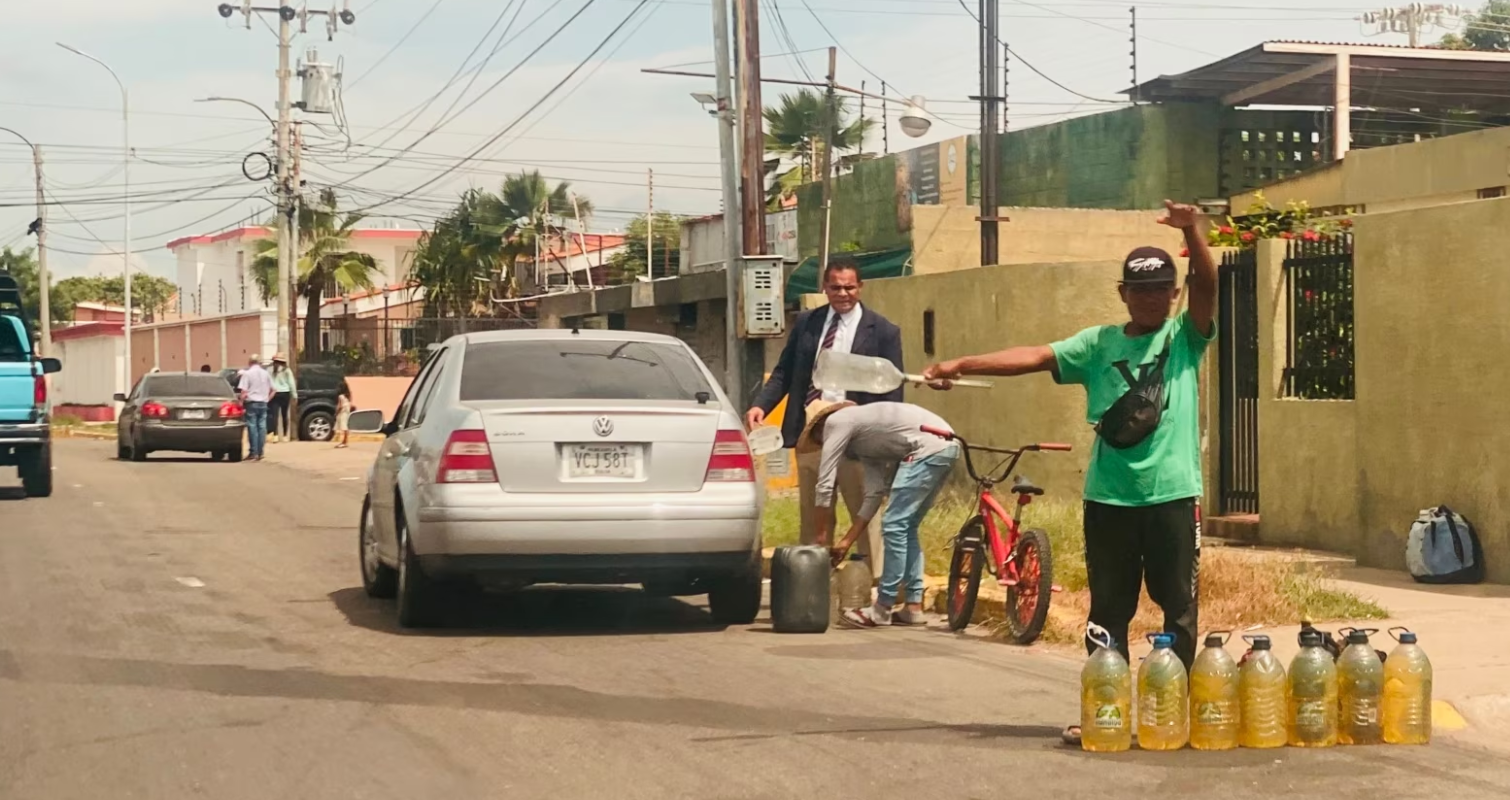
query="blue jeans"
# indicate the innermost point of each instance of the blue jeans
(913, 491)
(256, 427)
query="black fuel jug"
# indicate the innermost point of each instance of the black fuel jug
(800, 589)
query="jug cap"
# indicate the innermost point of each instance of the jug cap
(1310, 638)
(1356, 636)
(1162, 640)
(1260, 642)
(1218, 638)
(1407, 638)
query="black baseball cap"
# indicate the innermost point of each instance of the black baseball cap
(1149, 265)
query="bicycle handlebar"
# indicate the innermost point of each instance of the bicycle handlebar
(1011, 464)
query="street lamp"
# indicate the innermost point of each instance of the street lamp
(125, 192)
(914, 119)
(237, 100)
(40, 228)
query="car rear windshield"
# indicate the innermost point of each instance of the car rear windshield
(12, 347)
(571, 369)
(197, 385)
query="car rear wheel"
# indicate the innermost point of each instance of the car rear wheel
(138, 453)
(418, 595)
(234, 456)
(318, 426)
(36, 472)
(735, 599)
(378, 579)
(122, 452)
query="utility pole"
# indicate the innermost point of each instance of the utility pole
(649, 224)
(752, 129)
(39, 227)
(829, 124)
(728, 158)
(989, 150)
(291, 287)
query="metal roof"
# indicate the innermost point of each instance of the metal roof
(1382, 76)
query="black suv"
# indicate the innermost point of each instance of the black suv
(319, 386)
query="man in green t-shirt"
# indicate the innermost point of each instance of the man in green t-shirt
(1142, 500)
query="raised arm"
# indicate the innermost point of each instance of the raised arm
(1011, 361)
(1202, 282)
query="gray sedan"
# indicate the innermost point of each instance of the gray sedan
(194, 412)
(556, 456)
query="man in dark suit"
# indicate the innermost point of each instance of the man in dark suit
(848, 327)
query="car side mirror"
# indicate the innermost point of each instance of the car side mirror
(368, 421)
(119, 398)
(51, 365)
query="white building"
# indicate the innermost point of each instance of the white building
(214, 274)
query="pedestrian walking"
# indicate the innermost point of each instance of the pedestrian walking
(256, 388)
(1143, 485)
(343, 414)
(283, 393)
(899, 459)
(843, 325)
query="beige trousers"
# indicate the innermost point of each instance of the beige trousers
(851, 487)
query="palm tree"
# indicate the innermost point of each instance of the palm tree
(532, 207)
(323, 260)
(463, 250)
(795, 133)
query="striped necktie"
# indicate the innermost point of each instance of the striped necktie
(828, 344)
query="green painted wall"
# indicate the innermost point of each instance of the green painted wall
(864, 214)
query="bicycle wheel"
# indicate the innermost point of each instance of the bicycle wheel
(1028, 599)
(964, 574)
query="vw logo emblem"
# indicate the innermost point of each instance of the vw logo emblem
(602, 426)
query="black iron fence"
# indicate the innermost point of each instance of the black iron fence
(1319, 328)
(1237, 338)
(377, 346)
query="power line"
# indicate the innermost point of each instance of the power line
(1026, 63)
(395, 47)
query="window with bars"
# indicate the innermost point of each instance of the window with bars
(1319, 329)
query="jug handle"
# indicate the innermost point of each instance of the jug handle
(1099, 636)
(1225, 639)
(1249, 637)
(1395, 636)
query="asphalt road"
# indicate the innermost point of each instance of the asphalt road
(181, 629)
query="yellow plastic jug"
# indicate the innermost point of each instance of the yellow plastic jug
(1105, 696)
(1262, 689)
(1406, 705)
(1360, 683)
(1214, 707)
(1163, 698)
(1313, 694)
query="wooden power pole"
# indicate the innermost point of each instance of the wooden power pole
(752, 149)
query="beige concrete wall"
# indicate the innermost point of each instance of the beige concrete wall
(1321, 187)
(1426, 426)
(947, 238)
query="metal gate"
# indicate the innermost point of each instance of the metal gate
(1237, 319)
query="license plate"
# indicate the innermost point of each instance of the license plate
(194, 413)
(601, 460)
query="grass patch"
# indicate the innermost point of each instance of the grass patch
(1239, 588)
(67, 421)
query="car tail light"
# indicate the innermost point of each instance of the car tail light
(39, 391)
(154, 409)
(232, 411)
(467, 459)
(731, 459)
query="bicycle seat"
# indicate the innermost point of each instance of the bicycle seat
(1025, 486)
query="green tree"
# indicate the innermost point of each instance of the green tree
(324, 233)
(795, 133)
(1488, 30)
(22, 265)
(666, 233)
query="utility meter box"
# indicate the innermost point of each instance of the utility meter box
(761, 304)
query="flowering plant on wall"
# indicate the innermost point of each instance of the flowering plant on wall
(1263, 221)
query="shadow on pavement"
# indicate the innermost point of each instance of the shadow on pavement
(12, 493)
(537, 611)
(1390, 579)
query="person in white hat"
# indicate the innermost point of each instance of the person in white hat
(283, 387)
(900, 460)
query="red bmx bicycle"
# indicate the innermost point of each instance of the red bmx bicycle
(1019, 559)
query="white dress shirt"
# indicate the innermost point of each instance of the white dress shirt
(844, 339)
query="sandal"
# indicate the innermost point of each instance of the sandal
(1071, 736)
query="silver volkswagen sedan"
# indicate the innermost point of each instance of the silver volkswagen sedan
(562, 456)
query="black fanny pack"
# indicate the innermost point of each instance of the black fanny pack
(1136, 414)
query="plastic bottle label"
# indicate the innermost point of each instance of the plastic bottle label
(1109, 716)
(1310, 714)
(1215, 713)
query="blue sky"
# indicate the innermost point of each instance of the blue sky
(602, 131)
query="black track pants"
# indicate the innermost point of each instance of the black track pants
(1126, 546)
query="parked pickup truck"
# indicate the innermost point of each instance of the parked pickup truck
(25, 424)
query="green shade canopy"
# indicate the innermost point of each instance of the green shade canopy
(873, 266)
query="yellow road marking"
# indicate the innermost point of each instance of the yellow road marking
(1446, 718)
